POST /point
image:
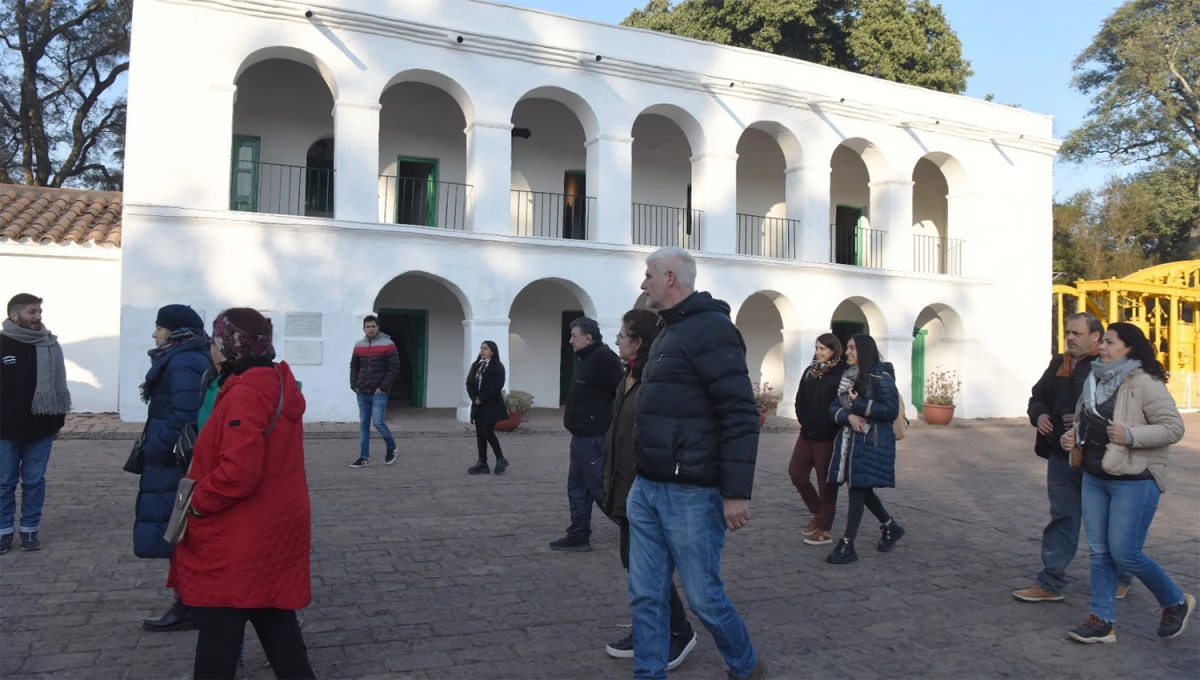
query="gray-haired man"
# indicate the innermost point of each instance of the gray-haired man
(588, 415)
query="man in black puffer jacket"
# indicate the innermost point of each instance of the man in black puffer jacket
(695, 442)
(589, 413)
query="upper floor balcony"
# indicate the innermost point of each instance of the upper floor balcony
(422, 157)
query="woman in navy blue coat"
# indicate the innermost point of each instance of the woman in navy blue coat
(174, 389)
(864, 452)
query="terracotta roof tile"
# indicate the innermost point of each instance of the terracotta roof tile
(60, 216)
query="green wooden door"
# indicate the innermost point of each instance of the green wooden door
(243, 180)
(918, 368)
(417, 191)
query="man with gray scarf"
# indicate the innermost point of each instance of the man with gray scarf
(34, 401)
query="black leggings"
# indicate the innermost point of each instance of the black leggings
(222, 630)
(860, 497)
(485, 433)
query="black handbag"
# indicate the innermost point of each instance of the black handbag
(186, 445)
(136, 462)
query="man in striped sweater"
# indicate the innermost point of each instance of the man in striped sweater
(374, 366)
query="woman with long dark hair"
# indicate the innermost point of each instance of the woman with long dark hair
(864, 452)
(814, 446)
(485, 387)
(639, 328)
(1125, 424)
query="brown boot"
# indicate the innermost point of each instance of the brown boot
(759, 672)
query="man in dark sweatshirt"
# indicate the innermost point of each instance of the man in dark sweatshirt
(588, 415)
(34, 401)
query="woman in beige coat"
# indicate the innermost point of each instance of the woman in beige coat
(1125, 423)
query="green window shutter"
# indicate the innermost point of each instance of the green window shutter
(243, 180)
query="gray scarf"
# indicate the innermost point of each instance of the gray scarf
(1105, 379)
(844, 386)
(845, 401)
(51, 396)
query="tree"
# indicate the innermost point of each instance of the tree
(908, 41)
(64, 123)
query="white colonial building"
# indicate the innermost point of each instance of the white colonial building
(474, 171)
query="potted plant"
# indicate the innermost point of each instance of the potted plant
(517, 403)
(940, 388)
(765, 399)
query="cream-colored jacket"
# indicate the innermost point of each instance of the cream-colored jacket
(1146, 407)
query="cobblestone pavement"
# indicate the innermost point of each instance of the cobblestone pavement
(421, 571)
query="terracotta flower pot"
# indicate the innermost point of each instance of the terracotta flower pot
(937, 414)
(514, 419)
(762, 416)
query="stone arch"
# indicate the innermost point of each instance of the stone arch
(573, 101)
(692, 130)
(766, 318)
(855, 165)
(439, 80)
(291, 54)
(858, 314)
(787, 140)
(540, 361)
(938, 344)
(938, 223)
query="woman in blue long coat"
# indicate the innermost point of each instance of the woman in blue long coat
(174, 389)
(864, 452)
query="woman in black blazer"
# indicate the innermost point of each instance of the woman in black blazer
(485, 383)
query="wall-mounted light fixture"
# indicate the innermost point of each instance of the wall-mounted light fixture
(456, 39)
(523, 133)
(586, 58)
(308, 14)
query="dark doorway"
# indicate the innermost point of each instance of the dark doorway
(844, 330)
(318, 180)
(409, 329)
(568, 360)
(416, 191)
(575, 205)
(846, 249)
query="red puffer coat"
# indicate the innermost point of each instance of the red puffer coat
(250, 548)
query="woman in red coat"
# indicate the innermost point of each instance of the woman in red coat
(245, 556)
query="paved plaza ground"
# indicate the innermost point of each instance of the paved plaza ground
(421, 571)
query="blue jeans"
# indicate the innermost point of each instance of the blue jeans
(1060, 538)
(680, 527)
(585, 484)
(370, 412)
(25, 462)
(1116, 517)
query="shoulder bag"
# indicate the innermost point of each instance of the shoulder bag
(177, 526)
(136, 462)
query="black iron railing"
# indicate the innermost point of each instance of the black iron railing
(774, 237)
(856, 246)
(663, 226)
(280, 189)
(423, 202)
(937, 255)
(535, 213)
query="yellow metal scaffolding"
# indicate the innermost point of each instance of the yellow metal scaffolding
(1162, 301)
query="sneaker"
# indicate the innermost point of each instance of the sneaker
(819, 537)
(1123, 590)
(501, 465)
(390, 456)
(6, 543)
(360, 463)
(1094, 630)
(812, 526)
(844, 553)
(1036, 593)
(891, 533)
(621, 649)
(480, 468)
(1174, 619)
(681, 646)
(29, 541)
(571, 545)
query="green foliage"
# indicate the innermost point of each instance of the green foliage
(941, 386)
(518, 401)
(908, 41)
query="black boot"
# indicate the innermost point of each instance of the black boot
(843, 553)
(178, 617)
(891, 532)
(501, 464)
(480, 468)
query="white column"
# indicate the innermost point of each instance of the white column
(489, 172)
(475, 331)
(962, 218)
(609, 180)
(714, 190)
(609, 328)
(892, 211)
(356, 160)
(899, 352)
(217, 156)
(797, 353)
(807, 195)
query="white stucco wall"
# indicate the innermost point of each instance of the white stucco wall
(535, 340)
(760, 178)
(762, 330)
(444, 343)
(81, 290)
(652, 116)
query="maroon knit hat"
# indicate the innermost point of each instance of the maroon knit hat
(244, 335)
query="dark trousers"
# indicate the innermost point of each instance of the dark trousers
(222, 630)
(585, 484)
(1060, 538)
(863, 497)
(679, 622)
(485, 433)
(821, 501)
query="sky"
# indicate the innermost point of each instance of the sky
(1021, 51)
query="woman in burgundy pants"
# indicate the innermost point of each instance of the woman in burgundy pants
(814, 446)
